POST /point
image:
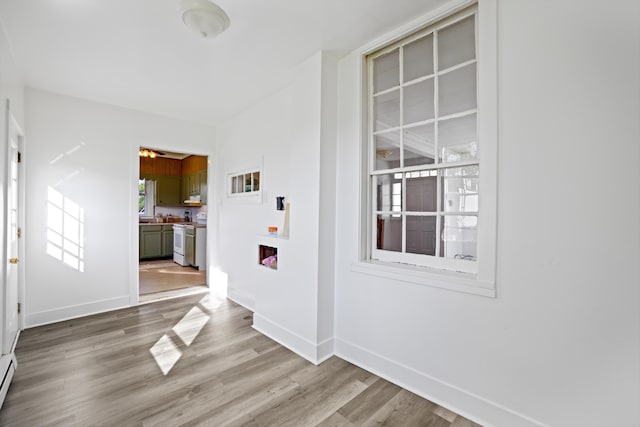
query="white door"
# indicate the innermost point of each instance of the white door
(11, 291)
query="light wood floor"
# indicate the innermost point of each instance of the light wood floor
(193, 361)
(165, 275)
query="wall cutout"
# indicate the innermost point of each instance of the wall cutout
(268, 256)
(244, 184)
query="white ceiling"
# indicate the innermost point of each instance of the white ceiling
(138, 54)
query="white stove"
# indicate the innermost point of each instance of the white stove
(179, 245)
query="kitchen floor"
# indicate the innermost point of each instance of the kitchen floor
(165, 275)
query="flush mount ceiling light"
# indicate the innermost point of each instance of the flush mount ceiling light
(204, 17)
(152, 154)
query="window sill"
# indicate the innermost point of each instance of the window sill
(458, 282)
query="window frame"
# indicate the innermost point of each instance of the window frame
(403, 256)
(149, 197)
(236, 176)
(481, 281)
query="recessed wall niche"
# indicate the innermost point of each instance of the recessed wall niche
(268, 256)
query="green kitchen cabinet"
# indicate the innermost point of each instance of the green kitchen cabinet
(189, 245)
(184, 194)
(194, 184)
(150, 241)
(168, 190)
(167, 241)
(203, 186)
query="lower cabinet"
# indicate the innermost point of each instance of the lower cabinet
(156, 241)
(190, 246)
(167, 241)
(195, 247)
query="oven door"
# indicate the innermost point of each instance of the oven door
(178, 239)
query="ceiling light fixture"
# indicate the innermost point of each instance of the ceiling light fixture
(204, 17)
(145, 152)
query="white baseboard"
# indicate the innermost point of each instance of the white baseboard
(240, 301)
(75, 311)
(465, 403)
(314, 353)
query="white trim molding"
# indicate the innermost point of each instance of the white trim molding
(456, 399)
(75, 311)
(482, 280)
(315, 353)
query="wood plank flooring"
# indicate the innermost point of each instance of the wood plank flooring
(194, 361)
(165, 275)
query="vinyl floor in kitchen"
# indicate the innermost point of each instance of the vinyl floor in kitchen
(164, 275)
(194, 360)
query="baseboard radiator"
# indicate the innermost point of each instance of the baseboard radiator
(9, 365)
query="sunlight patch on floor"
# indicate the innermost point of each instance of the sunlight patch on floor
(165, 353)
(188, 328)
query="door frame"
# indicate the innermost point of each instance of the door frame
(134, 246)
(12, 124)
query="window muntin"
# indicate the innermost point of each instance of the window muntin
(424, 164)
(243, 184)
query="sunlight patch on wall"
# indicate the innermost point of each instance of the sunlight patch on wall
(218, 281)
(65, 230)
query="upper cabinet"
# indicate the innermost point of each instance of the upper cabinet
(194, 178)
(176, 180)
(168, 191)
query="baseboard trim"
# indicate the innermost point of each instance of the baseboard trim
(240, 301)
(72, 312)
(460, 401)
(314, 353)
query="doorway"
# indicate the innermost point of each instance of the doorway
(11, 291)
(172, 216)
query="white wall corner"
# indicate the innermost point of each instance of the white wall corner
(315, 353)
(247, 303)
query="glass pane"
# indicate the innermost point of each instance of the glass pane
(421, 191)
(456, 43)
(389, 232)
(419, 145)
(389, 192)
(457, 139)
(387, 146)
(234, 184)
(459, 237)
(418, 102)
(421, 235)
(256, 181)
(386, 110)
(457, 90)
(386, 71)
(460, 189)
(418, 58)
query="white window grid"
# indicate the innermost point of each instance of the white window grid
(406, 172)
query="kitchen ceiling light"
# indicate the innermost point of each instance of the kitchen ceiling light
(204, 17)
(145, 152)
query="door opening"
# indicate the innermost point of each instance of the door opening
(172, 216)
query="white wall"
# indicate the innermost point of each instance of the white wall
(284, 133)
(560, 343)
(88, 152)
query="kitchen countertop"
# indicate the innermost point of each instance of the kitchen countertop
(192, 224)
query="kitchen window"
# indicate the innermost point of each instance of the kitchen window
(146, 197)
(431, 149)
